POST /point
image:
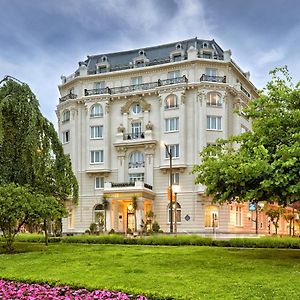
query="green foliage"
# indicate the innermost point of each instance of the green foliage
(161, 272)
(31, 155)
(20, 206)
(261, 165)
(30, 150)
(155, 227)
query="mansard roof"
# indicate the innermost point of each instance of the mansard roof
(154, 55)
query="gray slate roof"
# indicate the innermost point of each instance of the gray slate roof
(156, 54)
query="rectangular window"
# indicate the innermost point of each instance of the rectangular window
(96, 156)
(174, 76)
(211, 72)
(66, 137)
(99, 85)
(175, 178)
(102, 69)
(136, 82)
(96, 132)
(207, 55)
(238, 216)
(174, 150)
(214, 123)
(136, 177)
(99, 183)
(172, 124)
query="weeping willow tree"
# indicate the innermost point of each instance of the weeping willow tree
(30, 151)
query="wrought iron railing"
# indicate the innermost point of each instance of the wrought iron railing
(101, 91)
(133, 136)
(132, 165)
(148, 186)
(67, 97)
(122, 184)
(135, 87)
(212, 78)
(129, 184)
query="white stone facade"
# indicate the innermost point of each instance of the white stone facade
(114, 126)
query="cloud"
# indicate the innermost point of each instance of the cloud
(271, 56)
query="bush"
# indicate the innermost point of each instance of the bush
(155, 226)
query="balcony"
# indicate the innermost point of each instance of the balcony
(135, 87)
(133, 136)
(135, 165)
(212, 78)
(245, 92)
(67, 97)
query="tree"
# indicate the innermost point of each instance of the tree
(134, 206)
(30, 151)
(262, 165)
(20, 206)
(274, 212)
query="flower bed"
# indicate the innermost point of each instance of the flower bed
(24, 291)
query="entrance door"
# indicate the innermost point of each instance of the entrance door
(131, 221)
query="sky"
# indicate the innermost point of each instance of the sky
(40, 40)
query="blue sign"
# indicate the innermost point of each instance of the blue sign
(252, 206)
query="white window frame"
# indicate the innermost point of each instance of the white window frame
(213, 103)
(175, 178)
(66, 134)
(179, 214)
(172, 124)
(214, 123)
(97, 114)
(136, 82)
(136, 160)
(136, 108)
(93, 131)
(167, 103)
(133, 177)
(66, 116)
(99, 182)
(174, 148)
(96, 156)
(238, 216)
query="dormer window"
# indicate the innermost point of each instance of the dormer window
(104, 59)
(140, 63)
(141, 52)
(178, 46)
(205, 45)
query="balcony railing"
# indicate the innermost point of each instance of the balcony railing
(211, 78)
(67, 97)
(135, 87)
(134, 136)
(101, 91)
(131, 184)
(133, 165)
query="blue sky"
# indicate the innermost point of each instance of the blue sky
(41, 40)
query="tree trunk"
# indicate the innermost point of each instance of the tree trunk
(46, 232)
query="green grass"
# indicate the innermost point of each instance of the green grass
(181, 272)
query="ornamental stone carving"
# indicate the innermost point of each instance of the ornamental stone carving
(149, 126)
(141, 101)
(121, 129)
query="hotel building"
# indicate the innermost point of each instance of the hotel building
(118, 110)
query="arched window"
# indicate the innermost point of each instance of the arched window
(65, 116)
(136, 108)
(213, 99)
(96, 111)
(99, 214)
(171, 101)
(177, 213)
(136, 160)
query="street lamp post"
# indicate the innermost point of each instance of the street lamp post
(169, 151)
(176, 190)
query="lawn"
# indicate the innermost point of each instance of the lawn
(191, 272)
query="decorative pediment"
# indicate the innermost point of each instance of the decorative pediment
(141, 101)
